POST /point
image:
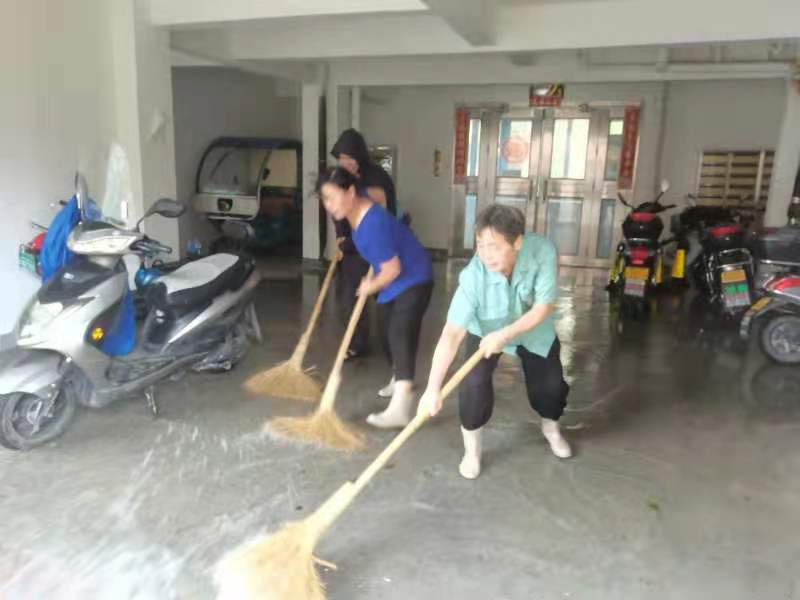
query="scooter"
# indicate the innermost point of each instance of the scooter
(689, 227)
(777, 317)
(723, 272)
(78, 341)
(777, 250)
(639, 264)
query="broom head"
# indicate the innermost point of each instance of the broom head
(285, 380)
(278, 567)
(322, 428)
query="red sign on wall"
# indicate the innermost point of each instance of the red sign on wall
(630, 138)
(546, 96)
(461, 146)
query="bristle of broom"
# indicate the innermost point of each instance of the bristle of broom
(284, 381)
(322, 428)
(278, 567)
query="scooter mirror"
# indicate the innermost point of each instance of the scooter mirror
(81, 191)
(664, 186)
(165, 207)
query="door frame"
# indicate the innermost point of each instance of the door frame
(596, 189)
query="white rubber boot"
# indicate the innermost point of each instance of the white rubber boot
(398, 414)
(552, 432)
(470, 466)
(387, 391)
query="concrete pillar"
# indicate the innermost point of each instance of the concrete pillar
(143, 103)
(332, 132)
(355, 107)
(787, 159)
(311, 95)
(156, 123)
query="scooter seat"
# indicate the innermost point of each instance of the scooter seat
(199, 282)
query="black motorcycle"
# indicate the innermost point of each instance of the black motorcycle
(639, 263)
(689, 228)
(724, 272)
(720, 264)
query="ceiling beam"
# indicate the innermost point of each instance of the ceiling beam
(473, 20)
(191, 13)
(493, 69)
(192, 56)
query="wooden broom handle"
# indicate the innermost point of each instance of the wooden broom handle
(339, 502)
(415, 424)
(300, 351)
(332, 385)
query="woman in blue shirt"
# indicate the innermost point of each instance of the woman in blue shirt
(403, 280)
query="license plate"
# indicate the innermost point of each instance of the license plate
(634, 287)
(636, 280)
(736, 295)
(637, 273)
(734, 276)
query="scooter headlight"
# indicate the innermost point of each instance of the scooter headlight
(108, 245)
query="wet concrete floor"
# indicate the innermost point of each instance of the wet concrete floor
(684, 485)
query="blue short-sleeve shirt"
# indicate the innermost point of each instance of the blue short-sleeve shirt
(380, 237)
(486, 301)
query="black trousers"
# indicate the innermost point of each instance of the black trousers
(402, 320)
(544, 380)
(354, 269)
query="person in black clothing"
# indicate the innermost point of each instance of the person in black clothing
(350, 150)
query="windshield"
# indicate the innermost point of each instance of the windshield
(233, 170)
(117, 195)
(108, 189)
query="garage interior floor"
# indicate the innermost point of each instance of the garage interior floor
(684, 485)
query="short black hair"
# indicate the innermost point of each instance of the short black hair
(338, 176)
(506, 220)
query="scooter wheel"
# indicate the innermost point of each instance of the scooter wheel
(21, 425)
(780, 339)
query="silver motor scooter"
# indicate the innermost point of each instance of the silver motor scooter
(78, 341)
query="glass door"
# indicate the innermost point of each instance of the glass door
(610, 213)
(515, 160)
(566, 183)
(576, 192)
(558, 166)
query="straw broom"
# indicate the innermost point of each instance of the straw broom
(281, 566)
(323, 427)
(288, 380)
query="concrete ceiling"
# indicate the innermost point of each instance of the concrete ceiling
(294, 36)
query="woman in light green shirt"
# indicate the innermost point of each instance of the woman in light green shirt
(504, 303)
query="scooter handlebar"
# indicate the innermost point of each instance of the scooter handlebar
(151, 246)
